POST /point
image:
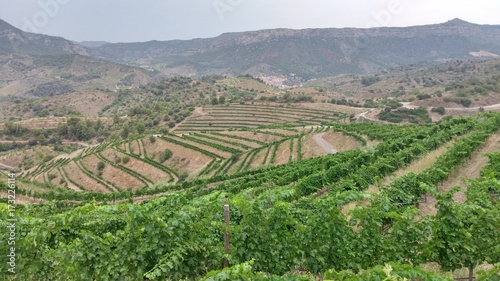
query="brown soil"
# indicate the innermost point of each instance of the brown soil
(341, 142)
(150, 172)
(134, 147)
(257, 160)
(310, 148)
(243, 142)
(183, 160)
(471, 169)
(76, 175)
(283, 153)
(111, 174)
(280, 131)
(216, 151)
(256, 136)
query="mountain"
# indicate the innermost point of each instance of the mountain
(14, 40)
(92, 44)
(300, 55)
(40, 72)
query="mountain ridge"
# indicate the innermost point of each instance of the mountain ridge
(292, 55)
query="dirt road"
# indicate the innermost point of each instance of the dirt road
(327, 147)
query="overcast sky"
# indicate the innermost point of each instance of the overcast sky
(144, 20)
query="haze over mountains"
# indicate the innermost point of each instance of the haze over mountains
(290, 56)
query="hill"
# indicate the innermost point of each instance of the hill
(299, 55)
(14, 40)
(40, 72)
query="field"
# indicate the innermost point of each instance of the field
(375, 184)
(256, 165)
(199, 152)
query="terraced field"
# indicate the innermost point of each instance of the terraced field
(260, 136)
(230, 117)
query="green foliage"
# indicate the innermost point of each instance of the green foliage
(167, 154)
(369, 80)
(389, 272)
(100, 166)
(418, 115)
(492, 274)
(125, 159)
(441, 110)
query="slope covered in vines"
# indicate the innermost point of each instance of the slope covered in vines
(286, 221)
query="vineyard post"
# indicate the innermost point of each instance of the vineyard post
(226, 234)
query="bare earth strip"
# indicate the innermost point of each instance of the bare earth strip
(340, 141)
(213, 150)
(257, 160)
(256, 136)
(152, 173)
(416, 166)
(76, 175)
(471, 169)
(134, 148)
(243, 142)
(70, 184)
(283, 153)
(183, 160)
(325, 145)
(112, 174)
(310, 147)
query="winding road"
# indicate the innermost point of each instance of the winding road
(408, 105)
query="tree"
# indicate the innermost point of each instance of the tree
(167, 154)
(441, 110)
(222, 100)
(214, 101)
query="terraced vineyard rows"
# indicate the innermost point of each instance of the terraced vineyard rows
(221, 118)
(135, 164)
(279, 213)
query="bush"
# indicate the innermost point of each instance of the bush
(152, 139)
(100, 166)
(167, 154)
(125, 159)
(441, 110)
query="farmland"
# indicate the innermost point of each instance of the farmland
(316, 190)
(371, 188)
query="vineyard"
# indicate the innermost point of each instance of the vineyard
(297, 211)
(221, 118)
(139, 163)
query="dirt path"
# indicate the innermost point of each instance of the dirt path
(4, 166)
(327, 147)
(475, 108)
(471, 169)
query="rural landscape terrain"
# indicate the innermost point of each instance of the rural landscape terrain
(319, 154)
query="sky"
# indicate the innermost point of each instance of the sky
(145, 20)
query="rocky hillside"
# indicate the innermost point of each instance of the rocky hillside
(299, 55)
